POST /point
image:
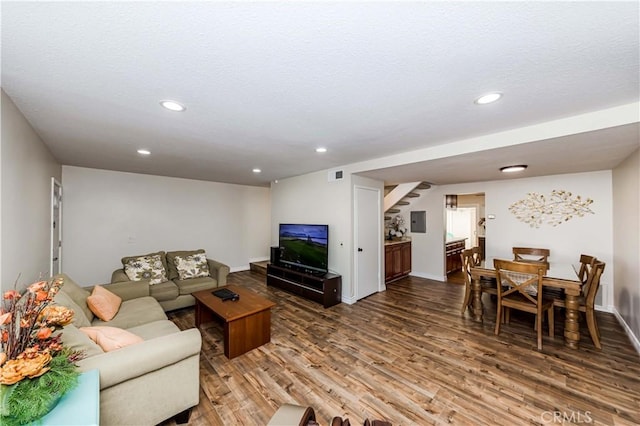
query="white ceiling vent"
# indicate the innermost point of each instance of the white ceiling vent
(335, 175)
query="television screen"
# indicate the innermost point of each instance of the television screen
(305, 246)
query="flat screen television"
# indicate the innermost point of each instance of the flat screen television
(305, 246)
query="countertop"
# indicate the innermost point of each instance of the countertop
(392, 242)
(455, 240)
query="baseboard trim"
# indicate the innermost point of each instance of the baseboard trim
(601, 308)
(632, 337)
(428, 276)
(239, 268)
(348, 300)
(259, 259)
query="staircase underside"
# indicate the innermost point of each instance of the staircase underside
(401, 195)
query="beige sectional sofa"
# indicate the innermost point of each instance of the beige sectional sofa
(144, 383)
(175, 293)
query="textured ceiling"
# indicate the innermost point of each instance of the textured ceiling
(265, 83)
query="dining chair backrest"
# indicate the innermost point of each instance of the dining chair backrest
(477, 255)
(593, 284)
(532, 255)
(467, 262)
(586, 265)
(520, 278)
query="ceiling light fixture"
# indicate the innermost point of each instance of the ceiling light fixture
(488, 98)
(144, 152)
(173, 105)
(256, 170)
(512, 169)
(321, 149)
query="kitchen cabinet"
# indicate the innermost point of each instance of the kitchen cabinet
(397, 260)
(453, 250)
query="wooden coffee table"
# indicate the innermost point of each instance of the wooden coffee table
(247, 322)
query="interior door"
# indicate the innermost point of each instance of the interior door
(368, 241)
(55, 264)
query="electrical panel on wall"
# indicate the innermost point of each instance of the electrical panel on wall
(335, 175)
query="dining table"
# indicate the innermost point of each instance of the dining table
(559, 275)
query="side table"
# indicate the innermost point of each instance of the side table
(79, 406)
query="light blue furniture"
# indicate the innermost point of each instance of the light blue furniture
(79, 406)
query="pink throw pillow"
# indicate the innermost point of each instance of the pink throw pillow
(111, 338)
(103, 303)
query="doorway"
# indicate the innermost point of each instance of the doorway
(55, 264)
(462, 223)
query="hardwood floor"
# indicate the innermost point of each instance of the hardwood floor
(408, 356)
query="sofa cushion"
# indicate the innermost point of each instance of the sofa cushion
(103, 303)
(72, 338)
(146, 268)
(195, 284)
(111, 338)
(155, 329)
(135, 312)
(77, 294)
(192, 266)
(164, 291)
(162, 254)
(79, 317)
(173, 272)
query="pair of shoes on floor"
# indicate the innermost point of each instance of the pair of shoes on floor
(338, 421)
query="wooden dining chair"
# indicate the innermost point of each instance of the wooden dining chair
(521, 288)
(467, 262)
(471, 257)
(587, 301)
(531, 255)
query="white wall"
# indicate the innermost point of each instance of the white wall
(626, 237)
(108, 215)
(591, 234)
(313, 199)
(27, 169)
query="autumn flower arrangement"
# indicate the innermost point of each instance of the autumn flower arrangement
(397, 229)
(35, 368)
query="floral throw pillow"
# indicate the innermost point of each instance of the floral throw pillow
(146, 268)
(192, 266)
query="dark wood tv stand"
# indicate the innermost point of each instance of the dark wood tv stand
(324, 288)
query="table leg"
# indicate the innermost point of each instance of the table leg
(244, 334)
(572, 320)
(476, 299)
(202, 314)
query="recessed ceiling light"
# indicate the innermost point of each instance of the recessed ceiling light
(256, 170)
(512, 169)
(173, 105)
(144, 152)
(321, 149)
(488, 98)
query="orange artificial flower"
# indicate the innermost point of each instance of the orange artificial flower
(11, 294)
(41, 295)
(56, 315)
(37, 286)
(44, 333)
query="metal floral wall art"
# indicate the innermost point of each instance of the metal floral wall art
(558, 207)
